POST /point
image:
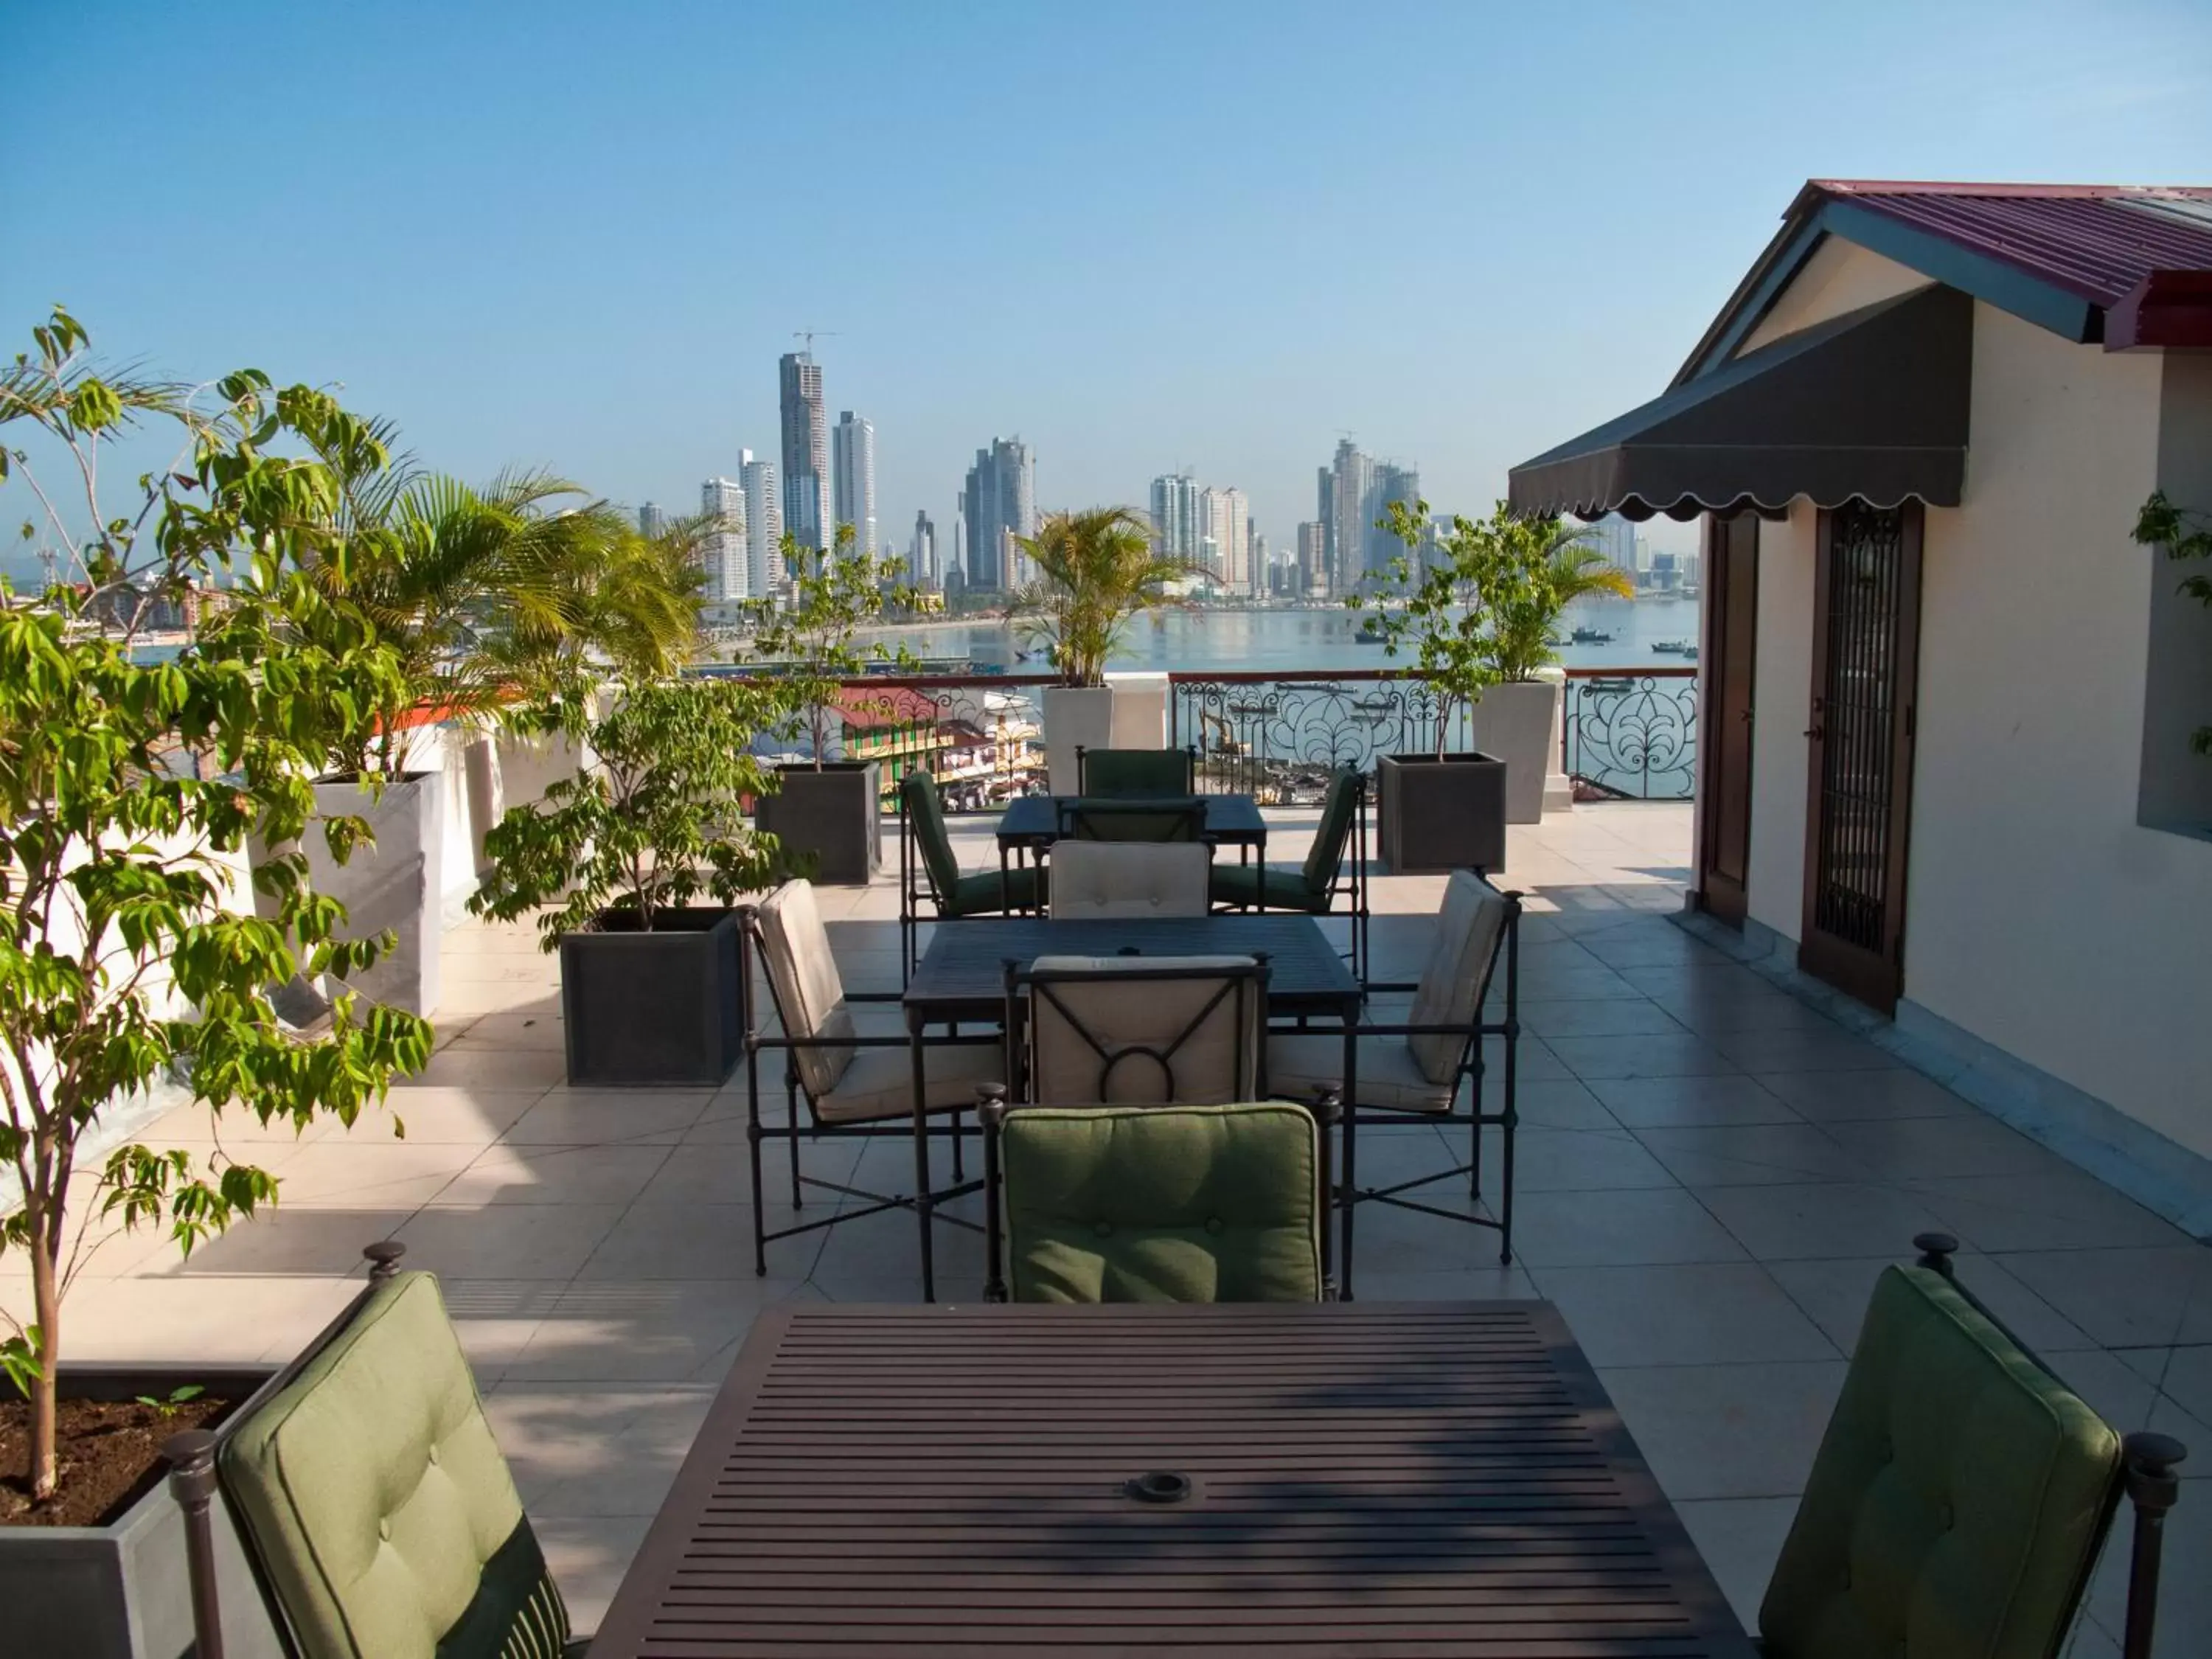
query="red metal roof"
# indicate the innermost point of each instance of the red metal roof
(2099, 241)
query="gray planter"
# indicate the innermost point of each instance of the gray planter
(835, 814)
(399, 884)
(1432, 815)
(653, 1007)
(123, 1591)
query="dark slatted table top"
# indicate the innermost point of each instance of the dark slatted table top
(1034, 820)
(1412, 1481)
(962, 972)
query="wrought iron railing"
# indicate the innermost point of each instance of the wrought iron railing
(1278, 736)
(1630, 734)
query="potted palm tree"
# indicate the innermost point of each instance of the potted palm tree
(827, 811)
(1097, 572)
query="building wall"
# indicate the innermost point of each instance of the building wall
(1840, 276)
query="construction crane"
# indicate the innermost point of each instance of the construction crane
(808, 334)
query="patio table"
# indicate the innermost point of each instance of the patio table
(1418, 1481)
(1031, 825)
(961, 976)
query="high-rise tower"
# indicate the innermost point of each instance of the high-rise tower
(763, 526)
(1176, 528)
(651, 520)
(853, 464)
(1350, 485)
(806, 512)
(722, 549)
(921, 552)
(1226, 533)
(999, 505)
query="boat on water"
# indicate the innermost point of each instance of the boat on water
(1370, 635)
(1592, 636)
(1689, 653)
(1673, 647)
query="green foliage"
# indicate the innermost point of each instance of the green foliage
(654, 822)
(174, 1402)
(2183, 535)
(1096, 575)
(813, 633)
(1481, 610)
(128, 794)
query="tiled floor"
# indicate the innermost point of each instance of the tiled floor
(1711, 1176)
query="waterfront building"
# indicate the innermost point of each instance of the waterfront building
(1312, 555)
(1258, 545)
(853, 462)
(807, 511)
(1349, 492)
(921, 552)
(651, 520)
(1390, 482)
(1176, 528)
(763, 525)
(999, 501)
(722, 548)
(1225, 529)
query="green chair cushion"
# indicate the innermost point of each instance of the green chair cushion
(376, 1495)
(925, 811)
(1143, 772)
(1286, 889)
(985, 893)
(1958, 1501)
(1162, 1204)
(1326, 855)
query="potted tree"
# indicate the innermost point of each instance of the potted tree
(828, 806)
(133, 970)
(618, 859)
(1097, 572)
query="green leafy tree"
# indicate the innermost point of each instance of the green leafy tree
(1545, 567)
(128, 791)
(1097, 572)
(811, 636)
(2183, 535)
(657, 819)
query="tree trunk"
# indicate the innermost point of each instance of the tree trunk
(46, 1304)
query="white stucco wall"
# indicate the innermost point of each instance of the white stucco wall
(1840, 276)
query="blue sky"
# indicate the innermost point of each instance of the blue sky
(1137, 236)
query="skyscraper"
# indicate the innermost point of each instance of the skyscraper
(1313, 557)
(1391, 483)
(999, 503)
(763, 526)
(1350, 489)
(807, 511)
(1257, 545)
(853, 452)
(1176, 529)
(921, 552)
(1227, 523)
(1325, 522)
(722, 550)
(651, 520)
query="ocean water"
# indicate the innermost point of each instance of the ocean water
(1264, 641)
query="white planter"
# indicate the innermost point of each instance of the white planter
(1075, 716)
(1519, 723)
(505, 770)
(1141, 710)
(397, 884)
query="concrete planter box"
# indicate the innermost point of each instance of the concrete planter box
(1075, 717)
(653, 1007)
(1432, 815)
(124, 1591)
(835, 814)
(1519, 723)
(399, 884)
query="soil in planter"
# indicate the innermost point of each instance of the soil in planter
(110, 1453)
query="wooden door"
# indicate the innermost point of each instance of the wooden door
(1728, 653)
(1866, 646)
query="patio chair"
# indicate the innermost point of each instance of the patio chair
(1148, 774)
(1156, 1203)
(928, 868)
(854, 1086)
(1136, 1030)
(1314, 886)
(378, 1513)
(1095, 879)
(1961, 1494)
(1159, 818)
(1413, 1069)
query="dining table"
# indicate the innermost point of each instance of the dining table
(1325, 1480)
(962, 978)
(1031, 824)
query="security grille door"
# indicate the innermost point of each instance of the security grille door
(1866, 638)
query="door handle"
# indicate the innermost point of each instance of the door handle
(1814, 731)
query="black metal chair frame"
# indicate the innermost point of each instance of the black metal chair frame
(901, 1127)
(1240, 982)
(1471, 1071)
(1190, 752)
(916, 883)
(1349, 878)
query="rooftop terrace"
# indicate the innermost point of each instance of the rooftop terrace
(1711, 1174)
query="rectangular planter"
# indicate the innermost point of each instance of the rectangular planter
(123, 1591)
(653, 1007)
(397, 883)
(1434, 816)
(1075, 716)
(835, 814)
(1519, 722)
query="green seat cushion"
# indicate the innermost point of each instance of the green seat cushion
(1286, 889)
(1334, 830)
(375, 1493)
(1162, 1204)
(926, 813)
(1958, 1501)
(985, 892)
(1136, 772)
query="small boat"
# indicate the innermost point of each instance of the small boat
(1689, 653)
(1673, 647)
(1370, 635)
(1592, 636)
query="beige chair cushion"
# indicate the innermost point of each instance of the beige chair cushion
(1457, 973)
(1203, 1025)
(807, 988)
(1129, 879)
(1298, 1062)
(879, 1082)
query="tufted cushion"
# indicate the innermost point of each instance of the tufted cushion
(1138, 772)
(807, 988)
(1099, 1035)
(1111, 879)
(1162, 1204)
(1298, 1062)
(1333, 831)
(1286, 889)
(372, 1489)
(1457, 973)
(1957, 1500)
(879, 1083)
